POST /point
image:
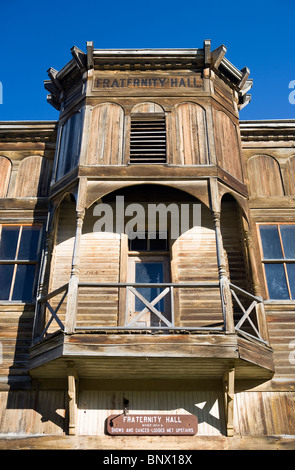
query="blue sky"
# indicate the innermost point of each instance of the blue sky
(37, 35)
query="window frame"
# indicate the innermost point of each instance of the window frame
(22, 262)
(279, 261)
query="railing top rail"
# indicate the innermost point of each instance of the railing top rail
(146, 284)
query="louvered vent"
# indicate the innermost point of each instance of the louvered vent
(148, 139)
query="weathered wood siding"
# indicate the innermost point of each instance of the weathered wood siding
(106, 135)
(189, 135)
(16, 323)
(61, 262)
(281, 328)
(264, 413)
(264, 176)
(100, 262)
(24, 413)
(95, 406)
(5, 172)
(196, 261)
(33, 177)
(227, 144)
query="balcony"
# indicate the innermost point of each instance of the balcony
(104, 337)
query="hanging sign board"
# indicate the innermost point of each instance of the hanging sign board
(152, 425)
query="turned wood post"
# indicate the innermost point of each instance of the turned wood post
(72, 302)
(226, 298)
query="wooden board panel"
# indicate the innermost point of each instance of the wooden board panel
(189, 135)
(264, 413)
(15, 338)
(281, 328)
(33, 177)
(264, 176)
(106, 135)
(95, 406)
(5, 171)
(227, 144)
(197, 262)
(32, 412)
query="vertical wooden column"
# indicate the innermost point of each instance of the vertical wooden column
(229, 393)
(73, 398)
(226, 298)
(225, 293)
(72, 302)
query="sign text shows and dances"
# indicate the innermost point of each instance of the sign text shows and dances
(156, 425)
(147, 82)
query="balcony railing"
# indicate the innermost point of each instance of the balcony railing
(53, 308)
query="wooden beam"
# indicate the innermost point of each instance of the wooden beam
(217, 56)
(72, 396)
(229, 392)
(207, 52)
(90, 49)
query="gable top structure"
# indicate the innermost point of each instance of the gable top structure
(148, 60)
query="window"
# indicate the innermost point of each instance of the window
(148, 138)
(19, 253)
(149, 263)
(278, 251)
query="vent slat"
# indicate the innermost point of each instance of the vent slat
(148, 140)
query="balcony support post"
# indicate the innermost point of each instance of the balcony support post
(229, 393)
(226, 298)
(72, 302)
(72, 397)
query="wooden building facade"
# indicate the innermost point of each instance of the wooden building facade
(147, 259)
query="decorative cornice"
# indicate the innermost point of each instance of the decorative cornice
(268, 130)
(28, 131)
(147, 59)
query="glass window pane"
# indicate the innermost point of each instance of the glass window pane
(6, 272)
(152, 272)
(271, 242)
(8, 242)
(29, 243)
(276, 281)
(24, 280)
(291, 276)
(288, 238)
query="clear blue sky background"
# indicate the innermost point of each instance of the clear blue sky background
(36, 35)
